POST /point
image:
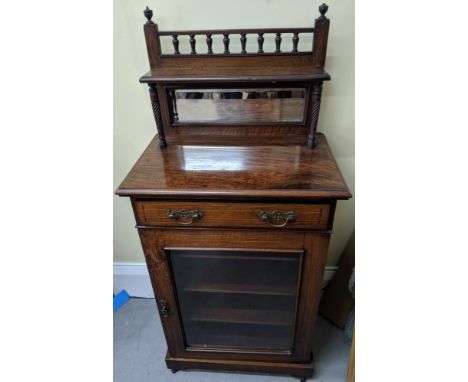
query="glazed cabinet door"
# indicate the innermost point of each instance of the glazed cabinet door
(246, 295)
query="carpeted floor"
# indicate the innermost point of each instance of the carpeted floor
(140, 348)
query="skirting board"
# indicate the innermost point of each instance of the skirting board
(134, 278)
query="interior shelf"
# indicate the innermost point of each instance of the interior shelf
(229, 336)
(242, 288)
(242, 316)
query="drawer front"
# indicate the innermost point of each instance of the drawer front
(232, 215)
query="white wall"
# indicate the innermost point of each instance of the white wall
(133, 122)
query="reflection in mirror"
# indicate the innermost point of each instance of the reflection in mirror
(238, 106)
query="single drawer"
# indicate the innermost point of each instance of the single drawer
(231, 215)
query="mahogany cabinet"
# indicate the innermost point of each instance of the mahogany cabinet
(234, 201)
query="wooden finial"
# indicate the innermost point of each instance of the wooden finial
(148, 14)
(323, 9)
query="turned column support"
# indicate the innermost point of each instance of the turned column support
(157, 114)
(316, 97)
(174, 104)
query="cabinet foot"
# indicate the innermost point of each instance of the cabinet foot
(162, 142)
(174, 371)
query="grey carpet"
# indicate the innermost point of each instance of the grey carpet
(140, 348)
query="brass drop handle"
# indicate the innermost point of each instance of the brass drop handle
(277, 219)
(184, 217)
(163, 308)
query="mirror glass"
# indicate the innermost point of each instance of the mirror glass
(238, 106)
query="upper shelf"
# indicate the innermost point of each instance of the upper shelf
(294, 70)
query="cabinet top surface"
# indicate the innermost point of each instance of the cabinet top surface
(236, 172)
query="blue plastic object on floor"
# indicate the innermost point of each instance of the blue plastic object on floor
(120, 299)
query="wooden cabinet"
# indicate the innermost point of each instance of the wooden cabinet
(234, 201)
(237, 266)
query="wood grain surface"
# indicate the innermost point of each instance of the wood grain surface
(242, 172)
(226, 215)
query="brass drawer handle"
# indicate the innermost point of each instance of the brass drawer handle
(163, 308)
(277, 219)
(184, 217)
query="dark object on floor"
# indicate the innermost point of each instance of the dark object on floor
(337, 302)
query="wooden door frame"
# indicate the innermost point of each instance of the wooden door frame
(312, 263)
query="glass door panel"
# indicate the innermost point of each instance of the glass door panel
(237, 299)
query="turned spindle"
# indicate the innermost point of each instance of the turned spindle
(278, 42)
(243, 41)
(316, 99)
(175, 42)
(209, 43)
(192, 44)
(226, 43)
(157, 114)
(173, 101)
(295, 42)
(260, 40)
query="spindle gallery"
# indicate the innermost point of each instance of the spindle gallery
(234, 199)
